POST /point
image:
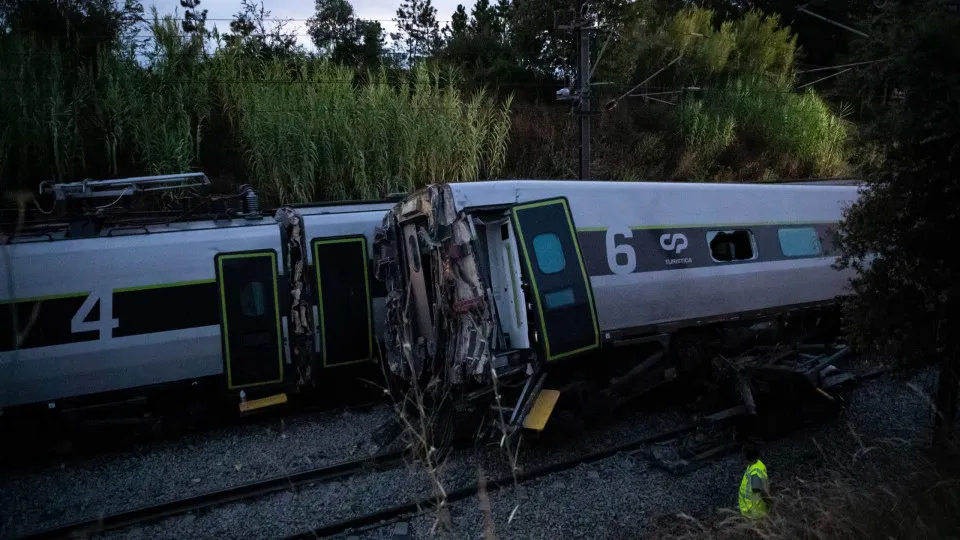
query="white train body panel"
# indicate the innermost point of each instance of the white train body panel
(638, 296)
(108, 267)
(645, 286)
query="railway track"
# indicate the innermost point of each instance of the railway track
(383, 461)
(215, 498)
(383, 517)
(639, 446)
(377, 462)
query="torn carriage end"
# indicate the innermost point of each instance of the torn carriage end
(438, 319)
(443, 335)
(300, 314)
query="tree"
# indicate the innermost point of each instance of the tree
(478, 44)
(459, 22)
(343, 38)
(194, 20)
(907, 287)
(78, 27)
(250, 33)
(419, 30)
(485, 19)
(330, 24)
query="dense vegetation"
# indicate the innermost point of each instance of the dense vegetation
(906, 304)
(92, 90)
(299, 128)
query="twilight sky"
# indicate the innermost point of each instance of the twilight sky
(302, 9)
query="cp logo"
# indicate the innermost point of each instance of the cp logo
(673, 242)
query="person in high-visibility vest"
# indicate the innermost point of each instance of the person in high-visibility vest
(755, 485)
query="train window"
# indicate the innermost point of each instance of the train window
(559, 298)
(728, 246)
(799, 242)
(251, 302)
(549, 253)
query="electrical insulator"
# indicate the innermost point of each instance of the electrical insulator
(253, 202)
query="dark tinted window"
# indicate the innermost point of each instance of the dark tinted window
(251, 303)
(556, 299)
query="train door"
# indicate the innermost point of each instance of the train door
(250, 318)
(560, 287)
(344, 304)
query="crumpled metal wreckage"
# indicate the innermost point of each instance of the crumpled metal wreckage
(441, 306)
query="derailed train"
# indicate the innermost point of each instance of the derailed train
(521, 279)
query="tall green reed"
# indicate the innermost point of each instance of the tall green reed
(172, 102)
(789, 126)
(311, 129)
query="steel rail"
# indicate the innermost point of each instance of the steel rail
(421, 506)
(202, 501)
(151, 513)
(383, 517)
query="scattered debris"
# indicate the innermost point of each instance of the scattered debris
(778, 388)
(401, 531)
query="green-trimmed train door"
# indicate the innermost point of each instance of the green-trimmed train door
(250, 318)
(560, 285)
(344, 302)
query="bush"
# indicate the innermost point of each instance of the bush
(797, 131)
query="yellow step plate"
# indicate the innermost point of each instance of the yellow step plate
(268, 401)
(540, 412)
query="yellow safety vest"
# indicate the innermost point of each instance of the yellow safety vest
(752, 504)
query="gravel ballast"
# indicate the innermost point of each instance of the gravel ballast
(621, 496)
(58, 494)
(286, 513)
(625, 496)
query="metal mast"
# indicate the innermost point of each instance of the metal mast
(583, 26)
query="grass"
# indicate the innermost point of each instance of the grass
(797, 130)
(869, 495)
(328, 136)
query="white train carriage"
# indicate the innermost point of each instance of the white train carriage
(140, 313)
(551, 270)
(548, 270)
